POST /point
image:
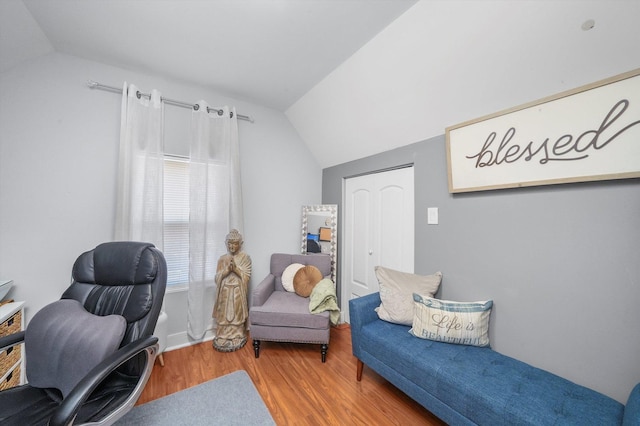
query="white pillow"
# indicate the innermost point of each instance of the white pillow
(288, 274)
(462, 323)
(396, 293)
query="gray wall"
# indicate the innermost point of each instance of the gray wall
(560, 262)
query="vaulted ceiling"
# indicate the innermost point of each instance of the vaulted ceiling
(354, 77)
(269, 52)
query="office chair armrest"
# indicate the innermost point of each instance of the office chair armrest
(263, 290)
(11, 340)
(67, 411)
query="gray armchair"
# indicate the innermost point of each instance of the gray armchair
(278, 315)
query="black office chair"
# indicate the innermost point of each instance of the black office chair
(113, 281)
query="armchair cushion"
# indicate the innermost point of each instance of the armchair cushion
(61, 345)
(284, 309)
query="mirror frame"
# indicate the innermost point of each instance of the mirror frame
(332, 209)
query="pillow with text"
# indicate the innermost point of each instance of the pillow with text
(462, 323)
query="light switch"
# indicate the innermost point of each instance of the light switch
(432, 216)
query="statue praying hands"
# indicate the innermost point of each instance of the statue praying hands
(231, 309)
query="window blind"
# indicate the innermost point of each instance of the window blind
(176, 221)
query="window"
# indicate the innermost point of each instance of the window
(176, 221)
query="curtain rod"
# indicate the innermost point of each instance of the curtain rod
(95, 85)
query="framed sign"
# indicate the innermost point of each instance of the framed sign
(586, 134)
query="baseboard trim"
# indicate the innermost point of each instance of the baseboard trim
(183, 340)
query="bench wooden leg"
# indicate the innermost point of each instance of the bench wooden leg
(256, 348)
(323, 351)
(359, 367)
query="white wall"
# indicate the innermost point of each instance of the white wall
(445, 62)
(58, 163)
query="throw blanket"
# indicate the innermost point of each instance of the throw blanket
(323, 298)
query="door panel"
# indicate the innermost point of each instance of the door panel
(359, 224)
(391, 242)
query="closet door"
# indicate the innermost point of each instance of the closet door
(378, 229)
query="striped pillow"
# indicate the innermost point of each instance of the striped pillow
(462, 323)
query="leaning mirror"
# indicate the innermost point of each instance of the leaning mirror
(320, 232)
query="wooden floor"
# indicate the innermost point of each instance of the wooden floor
(297, 388)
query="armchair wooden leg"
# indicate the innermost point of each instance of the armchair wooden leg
(256, 348)
(323, 351)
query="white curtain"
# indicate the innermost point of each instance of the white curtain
(139, 215)
(215, 201)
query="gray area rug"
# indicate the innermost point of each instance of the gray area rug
(227, 400)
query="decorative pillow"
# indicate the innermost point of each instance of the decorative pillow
(305, 279)
(288, 274)
(452, 322)
(396, 293)
(63, 342)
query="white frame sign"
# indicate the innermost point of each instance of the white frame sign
(586, 134)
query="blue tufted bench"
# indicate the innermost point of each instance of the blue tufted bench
(468, 385)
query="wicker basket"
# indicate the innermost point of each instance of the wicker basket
(12, 379)
(9, 358)
(11, 325)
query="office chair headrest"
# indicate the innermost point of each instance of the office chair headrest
(116, 264)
